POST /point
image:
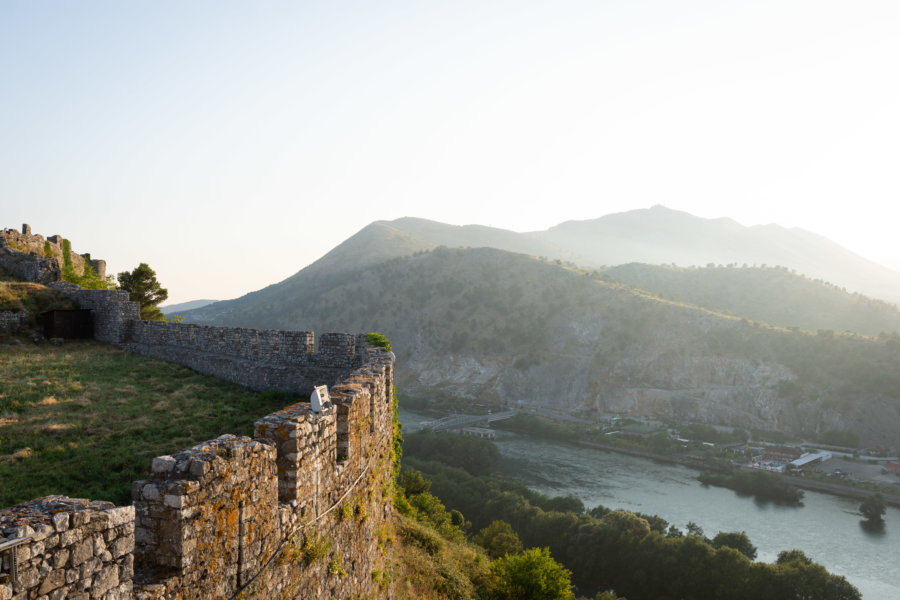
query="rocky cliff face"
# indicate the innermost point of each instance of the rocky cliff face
(743, 393)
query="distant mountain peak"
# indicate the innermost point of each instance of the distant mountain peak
(657, 235)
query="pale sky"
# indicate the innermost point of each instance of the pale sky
(229, 144)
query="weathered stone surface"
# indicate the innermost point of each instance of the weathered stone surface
(11, 321)
(105, 580)
(61, 521)
(53, 580)
(81, 552)
(163, 464)
(58, 565)
(150, 492)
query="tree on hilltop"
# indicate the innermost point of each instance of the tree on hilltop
(143, 288)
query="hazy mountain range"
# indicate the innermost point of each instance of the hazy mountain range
(657, 236)
(171, 309)
(498, 323)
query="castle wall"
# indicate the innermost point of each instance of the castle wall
(280, 516)
(208, 516)
(11, 321)
(111, 310)
(285, 361)
(257, 359)
(77, 549)
(23, 254)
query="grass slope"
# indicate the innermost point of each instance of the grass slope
(86, 419)
(426, 566)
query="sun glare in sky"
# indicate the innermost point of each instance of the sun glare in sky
(230, 144)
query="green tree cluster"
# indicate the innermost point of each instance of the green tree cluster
(762, 485)
(143, 288)
(619, 550)
(415, 500)
(873, 508)
(513, 574)
(478, 456)
(739, 540)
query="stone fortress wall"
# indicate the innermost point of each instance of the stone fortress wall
(23, 254)
(297, 511)
(11, 321)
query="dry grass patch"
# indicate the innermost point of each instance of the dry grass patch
(17, 456)
(55, 427)
(31, 297)
(187, 392)
(450, 571)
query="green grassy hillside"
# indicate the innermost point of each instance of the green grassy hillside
(86, 419)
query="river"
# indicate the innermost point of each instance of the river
(827, 528)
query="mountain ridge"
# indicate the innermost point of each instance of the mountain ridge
(808, 253)
(501, 326)
(660, 235)
(493, 326)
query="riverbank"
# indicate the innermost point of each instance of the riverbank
(687, 461)
(836, 489)
(825, 487)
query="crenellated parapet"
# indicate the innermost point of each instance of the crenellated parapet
(208, 518)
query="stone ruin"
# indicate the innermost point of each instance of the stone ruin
(23, 254)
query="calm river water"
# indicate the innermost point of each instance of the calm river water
(826, 528)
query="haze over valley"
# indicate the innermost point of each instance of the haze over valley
(486, 315)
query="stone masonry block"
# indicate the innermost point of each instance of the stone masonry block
(163, 464)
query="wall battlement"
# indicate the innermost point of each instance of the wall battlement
(294, 512)
(284, 361)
